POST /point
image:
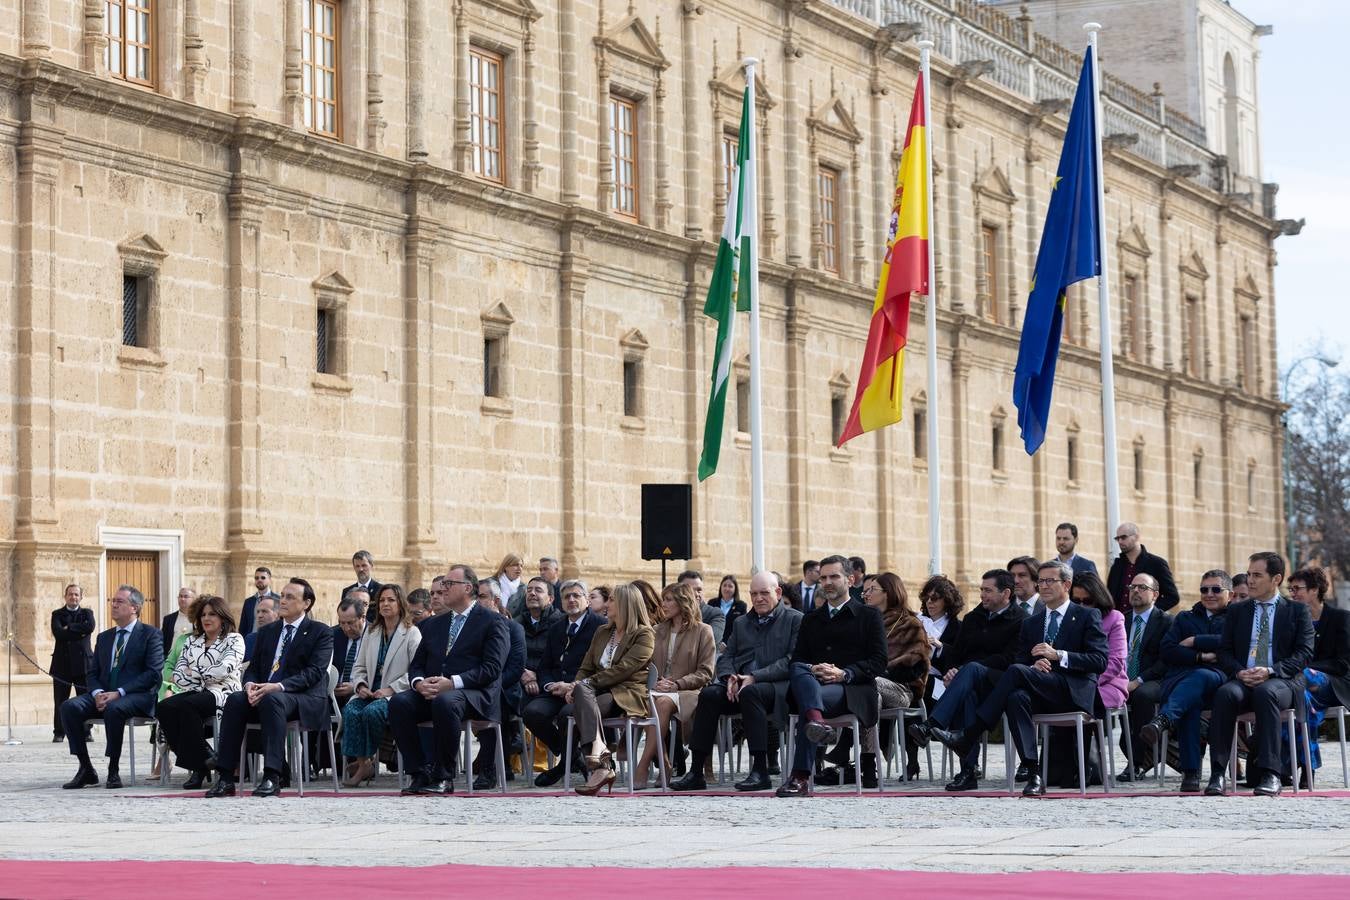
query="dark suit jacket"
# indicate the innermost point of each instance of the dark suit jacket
(1292, 639)
(512, 692)
(1083, 564)
(764, 652)
(166, 630)
(1082, 643)
(536, 635)
(855, 641)
(738, 609)
(562, 657)
(340, 644)
(248, 614)
(1146, 564)
(250, 641)
(478, 657)
(1331, 651)
(992, 642)
(1152, 667)
(71, 652)
(800, 588)
(304, 668)
(372, 608)
(1192, 623)
(142, 662)
(714, 619)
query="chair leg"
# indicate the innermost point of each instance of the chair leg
(1110, 749)
(464, 762)
(1045, 754)
(131, 741)
(630, 742)
(501, 756)
(1129, 739)
(857, 756)
(1008, 764)
(332, 754)
(1082, 760)
(661, 765)
(876, 749)
(1307, 756)
(1101, 753)
(567, 756)
(1345, 761)
(303, 746)
(1160, 756)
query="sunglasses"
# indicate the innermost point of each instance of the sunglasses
(1212, 589)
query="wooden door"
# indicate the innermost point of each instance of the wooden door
(140, 569)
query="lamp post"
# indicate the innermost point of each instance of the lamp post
(1327, 363)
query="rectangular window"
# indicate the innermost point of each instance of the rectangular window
(1194, 334)
(319, 65)
(1197, 471)
(632, 388)
(1246, 354)
(838, 415)
(623, 142)
(1072, 453)
(827, 201)
(136, 310)
(996, 446)
(989, 268)
(731, 148)
(920, 432)
(1139, 469)
(1133, 338)
(743, 404)
(492, 366)
(485, 113)
(325, 337)
(130, 29)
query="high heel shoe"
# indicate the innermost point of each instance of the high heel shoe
(359, 773)
(602, 776)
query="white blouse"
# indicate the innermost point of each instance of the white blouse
(215, 668)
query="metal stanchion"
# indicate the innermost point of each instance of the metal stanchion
(10, 739)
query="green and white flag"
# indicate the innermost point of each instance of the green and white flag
(735, 277)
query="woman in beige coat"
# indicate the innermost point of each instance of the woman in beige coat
(380, 672)
(685, 652)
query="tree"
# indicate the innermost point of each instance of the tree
(1318, 450)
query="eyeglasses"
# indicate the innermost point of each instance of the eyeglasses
(870, 588)
(1211, 589)
(1143, 587)
(574, 596)
(454, 581)
(1046, 582)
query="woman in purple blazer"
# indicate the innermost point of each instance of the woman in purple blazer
(1113, 685)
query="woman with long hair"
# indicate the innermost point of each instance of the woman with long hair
(380, 672)
(509, 581)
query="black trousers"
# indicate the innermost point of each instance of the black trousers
(1143, 704)
(272, 713)
(1023, 692)
(183, 718)
(541, 716)
(755, 704)
(1268, 700)
(446, 712)
(60, 694)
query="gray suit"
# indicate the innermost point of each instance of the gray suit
(715, 619)
(763, 652)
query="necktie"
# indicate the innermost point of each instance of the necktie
(1052, 631)
(810, 598)
(456, 624)
(1026, 607)
(1261, 657)
(350, 661)
(1134, 647)
(286, 635)
(117, 657)
(573, 629)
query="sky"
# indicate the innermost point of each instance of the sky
(1305, 141)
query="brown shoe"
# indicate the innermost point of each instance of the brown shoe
(796, 786)
(602, 776)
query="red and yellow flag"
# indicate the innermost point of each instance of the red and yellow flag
(904, 270)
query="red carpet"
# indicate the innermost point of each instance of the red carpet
(232, 881)
(1094, 794)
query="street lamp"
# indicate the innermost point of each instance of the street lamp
(1326, 362)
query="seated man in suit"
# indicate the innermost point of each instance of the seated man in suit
(1266, 643)
(841, 649)
(984, 649)
(508, 703)
(456, 674)
(264, 614)
(1145, 627)
(122, 682)
(287, 680)
(751, 680)
(1061, 651)
(568, 640)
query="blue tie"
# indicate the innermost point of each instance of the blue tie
(1052, 631)
(456, 625)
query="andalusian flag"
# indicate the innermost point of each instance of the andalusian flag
(1068, 254)
(734, 279)
(904, 271)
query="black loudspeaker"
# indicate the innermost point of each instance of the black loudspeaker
(667, 521)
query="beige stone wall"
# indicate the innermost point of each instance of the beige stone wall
(223, 431)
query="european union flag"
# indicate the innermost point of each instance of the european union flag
(1068, 254)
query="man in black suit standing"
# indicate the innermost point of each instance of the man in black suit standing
(1145, 627)
(565, 648)
(984, 649)
(455, 675)
(286, 680)
(262, 588)
(362, 564)
(841, 649)
(1061, 651)
(72, 625)
(1133, 559)
(1066, 545)
(123, 680)
(806, 588)
(1267, 642)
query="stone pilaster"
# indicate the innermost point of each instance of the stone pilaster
(36, 42)
(567, 100)
(573, 279)
(194, 51)
(798, 400)
(94, 39)
(960, 455)
(417, 77)
(241, 58)
(463, 147)
(530, 166)
(693, 142)
(419, 300)
(292, 100)
(375, 123)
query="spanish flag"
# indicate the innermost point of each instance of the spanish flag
(904, 270)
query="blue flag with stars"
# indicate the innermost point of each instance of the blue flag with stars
(1068, 254)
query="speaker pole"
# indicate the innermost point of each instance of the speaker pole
(663, 574)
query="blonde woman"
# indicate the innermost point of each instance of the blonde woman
(380, 672)
(684, 666)
(612, 679)
(508, 580)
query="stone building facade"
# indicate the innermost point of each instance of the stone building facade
(288, 279)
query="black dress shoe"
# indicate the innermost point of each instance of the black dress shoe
(819, 733)
(113, 781)
(773, 766)
(1035, 786)
(221, 788)
(85, 777)
(1022, 774)
(692, 781)
(919, 733)
(1190, 782)
(1215, 788)
(832, 776)
(484, 782)
(58, 738)
(795, 786)
(1268, 785)
(956, 740)
(420, 783)
(1134, 776)
(757, 780)
(548, 777)
(1153, 729)
(964, 781)
(195, 780)
(268, 787)
(912, 771)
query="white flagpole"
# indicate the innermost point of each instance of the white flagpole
(930, 332)
(1104, 301)
(750, 216)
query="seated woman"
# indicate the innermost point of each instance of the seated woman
(612, 679)
(684, 666)
(1328, 675)
(651, 601)
(206, 673)
(598, 600)
(1113, 685)
(380, 671)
